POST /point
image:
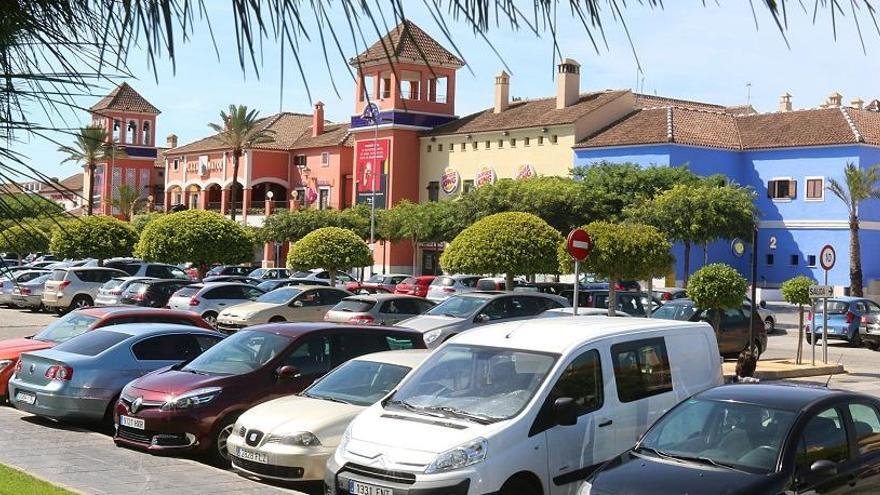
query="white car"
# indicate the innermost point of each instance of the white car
(556, 312)
(291, 438)
(525, 407)
(10, 281)
(449, 285)
(342, 278)
(299, 303)
(110, 292)
(209, 299)
(74, 288)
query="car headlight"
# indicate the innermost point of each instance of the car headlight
(299, 439)
(466, 454)
(191, 399)
(585, 489)
(433, 335)
(343, 442)
(4, 363)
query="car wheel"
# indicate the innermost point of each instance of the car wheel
(219, 454)
(769, 325)
(856, 339)
(210, 318)
(80, 302)
(758, 350)
(520, 485)
(277, 319)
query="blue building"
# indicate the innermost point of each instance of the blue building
(787, 157)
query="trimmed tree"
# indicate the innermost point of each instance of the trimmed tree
(141, 220)
(23, 239)
(717, 286)
(625, 251)
(98, 237)
(797, 291)
(330, 248)
(511, 243)
(197, 236)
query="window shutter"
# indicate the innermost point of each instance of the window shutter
(792, 189)
(770, 186)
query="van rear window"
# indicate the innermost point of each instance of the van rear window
(641, 369)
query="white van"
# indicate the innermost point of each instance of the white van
(523, 408)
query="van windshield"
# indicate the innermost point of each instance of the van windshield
(480, 384)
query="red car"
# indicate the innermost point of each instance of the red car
(192, 407)
(381, 282)
(78, 322)
(415, 286)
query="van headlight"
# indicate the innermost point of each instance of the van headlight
(191, 399)
(433, 335)
(466, 454)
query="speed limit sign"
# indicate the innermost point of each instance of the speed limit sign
(827, 257)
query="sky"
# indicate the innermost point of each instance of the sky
(713, 54)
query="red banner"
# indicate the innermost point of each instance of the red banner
(371, 159)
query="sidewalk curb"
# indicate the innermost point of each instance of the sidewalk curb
(787, 369)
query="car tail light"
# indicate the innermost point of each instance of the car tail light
(137, 296)
(63, 284)
(449, 290)
(24, 291)
(850, 316)
(362, 319)
(666, 296)
(194, 302)
(116, 291)
(61, 373)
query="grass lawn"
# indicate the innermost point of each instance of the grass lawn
(15, 482)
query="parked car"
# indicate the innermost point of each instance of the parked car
(193, 408)
(233, 278)
(768, 316)
(42, 264)
(152, 293)
(632, 303)
(734, 335)
(846, 318)
(30, 294)
(378, 309)
(342, 278)
(386, 282)
(556, 288)
(524, 408)
(80, 379)
(552, 313)
(269, 273)
(109, 294)
(466, 311)
(270, 285)
(78, 322)
(208, 300)
(415, 286)
(753, 438)
(448, 285)
(137, 268)
(8, 283)
(241, 270)
(75, 288)
(301, 303)
(670, 293)
(290, 438)
(498, 283)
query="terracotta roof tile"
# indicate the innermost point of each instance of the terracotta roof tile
(527, 113)
(74, 182)
(867, 123)
(740, 110)
(653, 101)
(702, 128)
(640, 127)
(124, 97)
(814, 127)
(408, 42)
(333, 135)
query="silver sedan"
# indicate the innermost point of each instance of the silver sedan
(81, 378)
(377, 309)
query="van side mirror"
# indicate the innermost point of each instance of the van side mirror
(565, 411)
(823, 468)
(763, 304)
(482, 318)
(287, 372)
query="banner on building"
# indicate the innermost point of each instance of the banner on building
(371, 168)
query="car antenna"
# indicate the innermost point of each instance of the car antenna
(832, 373)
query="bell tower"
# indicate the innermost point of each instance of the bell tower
(405, 85)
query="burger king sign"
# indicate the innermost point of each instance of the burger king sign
(450, 180)
(485, 176)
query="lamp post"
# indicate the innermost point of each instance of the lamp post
(371, 115)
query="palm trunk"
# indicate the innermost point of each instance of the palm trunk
(91, 198)
(234, 186)
(855, 258)
(612, 297)
(687, 262)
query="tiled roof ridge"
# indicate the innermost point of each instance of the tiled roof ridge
(852, 125)
(670, 126)
(681, 100)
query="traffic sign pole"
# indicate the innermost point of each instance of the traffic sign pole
(825, 325)
(827, 258)
(579, 246)
(577, 276)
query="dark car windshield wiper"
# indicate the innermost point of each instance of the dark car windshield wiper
(691, 458)
(476, 418)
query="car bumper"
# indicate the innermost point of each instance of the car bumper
(106, 301)
(837, 333)
(336, 481)
(285, 463)
(231, 326)
(72, 404)
(53, 300)
(164, 431)
(33, 301)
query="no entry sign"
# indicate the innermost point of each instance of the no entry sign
(579, 245)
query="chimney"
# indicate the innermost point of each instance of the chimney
(568, 83)
(835, 99)
(785, 102)
(857, 103)
(318, 119)
(502, 91)
(171, 141)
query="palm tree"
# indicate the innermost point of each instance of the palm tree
(858, 186)
(128, 201)
(239, 130)
(91, 147)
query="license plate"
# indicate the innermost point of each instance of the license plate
(26, 397)
(358, 488)
(253, 456)
(136, 423)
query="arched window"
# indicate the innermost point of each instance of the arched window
(116, 126)
(145, 133)
(131, 132)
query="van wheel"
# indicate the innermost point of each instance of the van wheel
(210, 318)
(520, 485)
(80, 302)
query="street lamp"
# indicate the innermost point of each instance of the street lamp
(270, 195)
(371, 115)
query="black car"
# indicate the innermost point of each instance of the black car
(734, 336)
(629, 302)
(232, 278)
(753, 439)
(151, 293)
(240, 270)
(270, 285)
(556, 288)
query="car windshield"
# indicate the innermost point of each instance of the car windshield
(353, 306)
(67, 327)
(137, 288)
(112, 283)
(834, 307)
(733, 434)
(92, 343)
(481, 384)
(376, 279)
(301, 274)
(187, 291)
(682, 312)
(240, 353)
(458, 306)
(408, 281)
(39, 280)
(279, 296)
(358, 382)
(269, 285)
(258, 273)
(58, 275)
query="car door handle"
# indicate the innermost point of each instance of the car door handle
(221, 304)
(606, 422)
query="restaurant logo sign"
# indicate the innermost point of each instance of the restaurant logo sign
(450, 180)
(485, 176)
(525, 172)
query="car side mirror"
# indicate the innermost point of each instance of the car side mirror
(763, 304)
(823, 468)
(565, 411)
(287, 372)
(297, 304)
(482, 318)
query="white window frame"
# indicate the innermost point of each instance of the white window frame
(779, 200)
(176, 164)
(325, 159)
(329, 197)
(807, 179)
